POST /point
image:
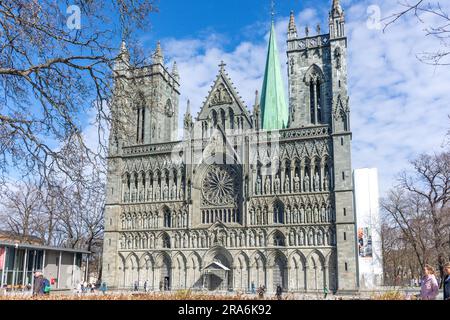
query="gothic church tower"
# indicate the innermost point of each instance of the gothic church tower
(318, 97)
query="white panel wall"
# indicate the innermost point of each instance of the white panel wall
(368, 227)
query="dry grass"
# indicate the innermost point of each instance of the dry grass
(392, 295)
(179, 295)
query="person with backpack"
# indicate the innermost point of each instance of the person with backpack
(430, 287)
(446, 281)
(38, 286)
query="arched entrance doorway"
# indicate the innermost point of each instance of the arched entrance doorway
(280, 272)
(165, 280)
(217, 273)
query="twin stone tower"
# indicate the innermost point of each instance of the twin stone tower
(244, 199)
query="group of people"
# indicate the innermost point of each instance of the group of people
(429, 285)
(429, 289)
(85, 287)
(146, 287)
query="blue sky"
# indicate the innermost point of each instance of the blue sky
(231, 18)
(399, 106)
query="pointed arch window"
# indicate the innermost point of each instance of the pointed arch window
(278, 212)
(167, 219)
(278, 240)
(315, 79)
(312, 102)
(166, 241)
(319, 101)
(140, 121)
(316, 105)
(231, 118)
(214, 118)
(222, 118)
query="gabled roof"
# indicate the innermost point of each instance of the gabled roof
(223, 79)
(218, 264)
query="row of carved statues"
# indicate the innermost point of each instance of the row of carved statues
(150, 193)
(275, 185)
(257, 216)
(154, 220)
(300, 236)
(290, 215)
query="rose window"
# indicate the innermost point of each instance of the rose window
(219, 186)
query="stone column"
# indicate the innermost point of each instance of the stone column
(322, 175)
(305, 274)
(179, 186)
(292, 175)
(170, 185)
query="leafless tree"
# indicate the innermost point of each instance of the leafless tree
(55, 79)
(22, 209)
(418, 213)
(439, 27)
(51, 76)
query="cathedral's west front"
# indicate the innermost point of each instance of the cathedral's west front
(245, 198)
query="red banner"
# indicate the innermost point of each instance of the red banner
(2, 257)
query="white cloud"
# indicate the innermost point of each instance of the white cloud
(399, 105)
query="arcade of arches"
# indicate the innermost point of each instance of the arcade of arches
(295, 270)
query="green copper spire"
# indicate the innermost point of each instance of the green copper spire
(274, 109)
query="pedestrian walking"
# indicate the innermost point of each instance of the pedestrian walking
(430, 287)
(325, 292)
(261, 291)
(253, 288)
(136, 286)
(145, 285)
(279, 292)
(103, 288)
(38, 286)
(79, 288)
(446, 282)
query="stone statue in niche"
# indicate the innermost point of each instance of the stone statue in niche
(258, 185)
(316, 182)
(296, 183)
(173, 192)
(157, 192)
(326, 182)
(267, 185)
(286, 184)
(277, 184)
(306, 186)
(166, 192)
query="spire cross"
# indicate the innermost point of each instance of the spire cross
(222, 66)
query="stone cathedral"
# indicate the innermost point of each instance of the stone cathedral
(235, 199)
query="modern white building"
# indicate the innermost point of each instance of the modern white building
(368, 226)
